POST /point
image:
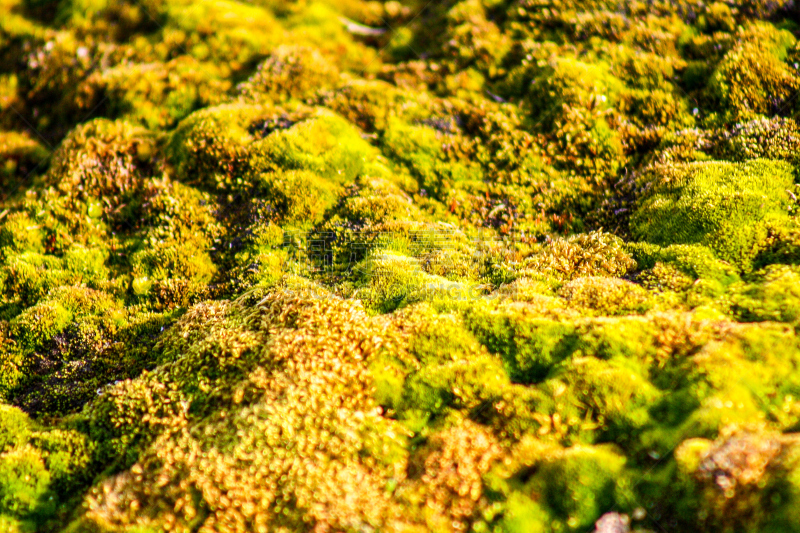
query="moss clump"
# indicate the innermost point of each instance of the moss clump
(774, 138)
(530, 346)
(291, 71)
(25, 481)
(209, 146)
(720, 205)
(610, 296)
(569, 82)
(772, 295)
(421, 147)
(577, 484)
(751, 78)
(102, 160)
(736, 471)
(22, 156)
(156, 95)
(592, 254)
(14, 427)
(324, 143)
(389, 277)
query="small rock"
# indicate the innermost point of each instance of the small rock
(612, 523)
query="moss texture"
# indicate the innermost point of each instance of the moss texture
(338, 266)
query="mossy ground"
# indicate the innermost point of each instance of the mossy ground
(472, 265)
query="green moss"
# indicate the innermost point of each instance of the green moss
(781, 245)
(157, 95)
(584, 254)
(22, 156)
(368, 104)
(291, 71)
(39, 324)
(569, 82)
(773, 295)
(720, 205)
(24, 482)
(30, 276)
(374, 266)
(464, 384)
(14, 427)
(325, 144)
(744, 479)
(388, 277)
(610, 296)
(67, 455)
(697, 262)
(209, 146)
(530, 346)
(751, 77)
(102, 159)
(421, 148)
(580, 483)
(221, 31)
(774, 138)
(377, 202)
(171, 260)
(609, 338)
(20, 233)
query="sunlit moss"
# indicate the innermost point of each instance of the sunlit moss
(720, 205)
(291, 72)
(387, 266)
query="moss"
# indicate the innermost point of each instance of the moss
(773, 295)
(780, 245)
(291, 71)
(610, 296)
(359, 440)
(751, 78)
(585, 254)
(170, 260)
(220, 31)
(421, 147)
(344, 266)
(389, 277)
(616, 394)
(584, 144)
(325, 144)
(209, 146)
(103, 159)
(610, 338)
(20, 233)
(530, 346)
(580, 483)
(30, 276)
(39, 324)
(22, 157)
(569, 82)
(67, 455)
(14, 427)
(748, 467)
(774, 138)
(377, 202)
(720, 205)
(463, 384)
(24, 483)
(156, 95)
(320, 195)
(369, 104)
(698, 262)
